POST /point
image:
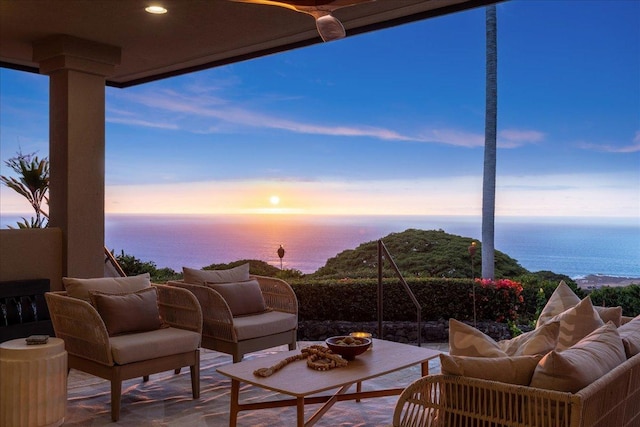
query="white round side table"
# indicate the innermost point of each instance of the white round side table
(33, 383)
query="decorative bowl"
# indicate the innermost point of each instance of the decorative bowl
(348, 347)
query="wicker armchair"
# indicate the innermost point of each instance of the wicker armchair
(223, 332)
(90, 348)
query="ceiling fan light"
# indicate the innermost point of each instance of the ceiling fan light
(330, 28)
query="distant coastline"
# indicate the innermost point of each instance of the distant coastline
(594, 254)
(594, 281)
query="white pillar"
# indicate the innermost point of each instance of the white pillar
(77, 69)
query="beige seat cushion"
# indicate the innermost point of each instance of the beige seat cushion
(131, 312)
(260, 325)
(511, 370)
(80, 288)
(150, 345)
(242, 297)
(575, 368)
(630, 334)
(200, 277)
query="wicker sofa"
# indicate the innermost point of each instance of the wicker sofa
(443, 400)
(275, 324)
(579, 367)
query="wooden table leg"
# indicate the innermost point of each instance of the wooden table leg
(234, 409)
(300, 411)
(425, 368)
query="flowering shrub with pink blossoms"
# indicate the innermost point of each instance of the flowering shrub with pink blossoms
(499, 299)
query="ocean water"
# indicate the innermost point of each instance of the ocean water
(568, 246)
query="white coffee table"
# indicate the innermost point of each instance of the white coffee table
(300, 381)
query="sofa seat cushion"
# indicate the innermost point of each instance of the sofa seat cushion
(260, 325)
(153, 344)
(510, 370)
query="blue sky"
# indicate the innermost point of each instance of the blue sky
(388, 123)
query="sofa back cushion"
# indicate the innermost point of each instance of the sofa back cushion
(574, 368)
(562, 299)
(242, 297)
(465, 340)
(538, 341)
(630, 334)
(128, 312)
(231, 275)
(576, 323)
(80, 288)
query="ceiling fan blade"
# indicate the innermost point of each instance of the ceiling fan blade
(301, 5)
(329, 27)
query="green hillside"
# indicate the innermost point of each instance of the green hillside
(425, 253)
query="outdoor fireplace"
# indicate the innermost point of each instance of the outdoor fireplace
(23, 309)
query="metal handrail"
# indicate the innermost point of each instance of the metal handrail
(383, 249)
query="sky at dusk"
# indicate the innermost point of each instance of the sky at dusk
(385, 123)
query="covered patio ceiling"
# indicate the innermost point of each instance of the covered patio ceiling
(194, 34)
(83, 45)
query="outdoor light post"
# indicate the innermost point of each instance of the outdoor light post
(281, 255)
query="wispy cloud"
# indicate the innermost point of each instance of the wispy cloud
(633, 147)
(144, 123)
(512, 138)
(182, 104)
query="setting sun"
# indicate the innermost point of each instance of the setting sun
(274, 200)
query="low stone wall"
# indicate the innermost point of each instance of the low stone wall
(404, 332)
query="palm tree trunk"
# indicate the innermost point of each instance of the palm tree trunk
(491, 119)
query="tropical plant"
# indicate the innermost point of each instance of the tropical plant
(490, 129)
(32, 183)
(133, 266)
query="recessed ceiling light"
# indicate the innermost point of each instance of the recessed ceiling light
(157, 10)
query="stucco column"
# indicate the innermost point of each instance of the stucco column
(77, 69)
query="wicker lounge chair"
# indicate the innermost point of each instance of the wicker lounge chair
(138, 354)
(238, 335)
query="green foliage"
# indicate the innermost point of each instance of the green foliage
(32, 183)
(417, 253)
(356, 300)
(133, 266)
(547, 281)
(628, 297)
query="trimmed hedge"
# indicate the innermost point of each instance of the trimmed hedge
(355, 300)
